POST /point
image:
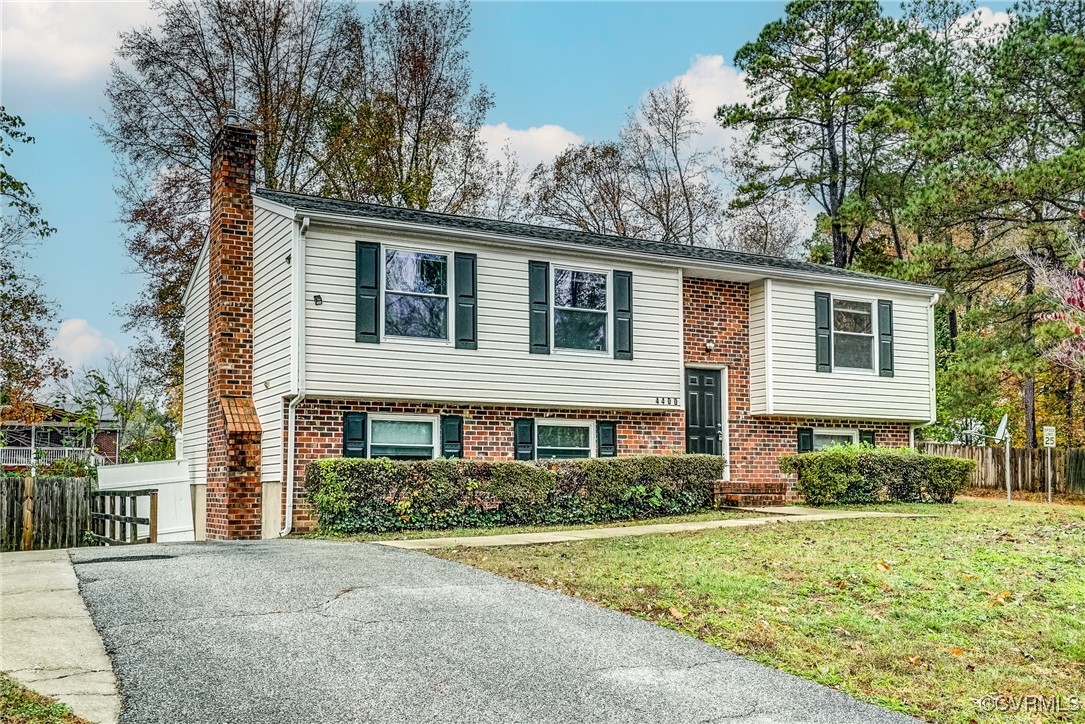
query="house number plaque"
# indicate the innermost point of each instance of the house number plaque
(667, 401)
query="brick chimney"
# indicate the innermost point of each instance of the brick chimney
(233, 432)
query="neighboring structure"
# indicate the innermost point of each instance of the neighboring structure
(316, 327)
(55, 435)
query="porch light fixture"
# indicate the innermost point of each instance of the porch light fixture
(710, 345)
(318, 299)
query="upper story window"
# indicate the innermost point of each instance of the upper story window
(580, 310)
(415, 294)
(853, 334)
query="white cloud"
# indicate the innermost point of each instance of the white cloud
(79, 344)
(711, 83)
(535, 145)
(53, 51)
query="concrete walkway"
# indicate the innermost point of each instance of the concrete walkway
(782, 515)
(49, 642)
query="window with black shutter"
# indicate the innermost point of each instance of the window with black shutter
(354, 429)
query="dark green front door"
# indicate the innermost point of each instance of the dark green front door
(704, 424)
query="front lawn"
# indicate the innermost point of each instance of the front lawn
(512, 529)
(19, 705)
(925, 616)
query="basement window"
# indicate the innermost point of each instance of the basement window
(403, 437)
(564, 438)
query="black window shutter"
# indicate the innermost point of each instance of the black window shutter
(885, 338)
(866, 436)
(524, 438)
(452, 436)
(623, 315)
(823, 320)
(606, 432)
(367, 271)
(354, 435)
(466, 301)
(538, 282)
(806, 439)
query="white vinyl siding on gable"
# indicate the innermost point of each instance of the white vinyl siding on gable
(271, 323)
(792, 386)
(501, 370)
(194, 395)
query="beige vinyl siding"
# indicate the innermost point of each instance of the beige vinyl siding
(271, 321)
(501, 370)
(194, 395)
(798, 389)
(757, 349)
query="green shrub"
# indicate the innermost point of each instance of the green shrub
(859, 474)
(356, 495)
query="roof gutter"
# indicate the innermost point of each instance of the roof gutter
(503, 239)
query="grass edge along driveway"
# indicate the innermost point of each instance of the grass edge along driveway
(924, 616)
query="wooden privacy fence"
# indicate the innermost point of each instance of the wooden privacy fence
(41, 513)
(114, 519)
(1028, 468)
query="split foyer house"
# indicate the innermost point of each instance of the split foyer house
(316, 327)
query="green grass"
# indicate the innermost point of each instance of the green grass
(923, 616)
(510, 529)
(19, 705)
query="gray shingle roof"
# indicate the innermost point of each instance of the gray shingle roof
(602, 242)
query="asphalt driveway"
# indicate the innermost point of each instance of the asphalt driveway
(309, 631)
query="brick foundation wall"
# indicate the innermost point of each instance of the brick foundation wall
(487, 432)
(719, 311)
(233, 429)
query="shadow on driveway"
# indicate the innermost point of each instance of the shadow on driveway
(310, 631)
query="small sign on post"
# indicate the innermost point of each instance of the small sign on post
(1049, 442)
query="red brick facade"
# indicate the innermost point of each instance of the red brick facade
(719, 312)
(233, 432)
(487, 431)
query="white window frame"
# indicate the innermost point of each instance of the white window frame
(836, 431)
(873, 369)
(552, 296)
(435, 426)
(450, 309)
(566, 422)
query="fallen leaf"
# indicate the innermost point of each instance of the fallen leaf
(886, 587)
(675, 613)
(884, 566)
(956, 651)
(764, 625)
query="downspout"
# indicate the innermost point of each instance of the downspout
(297, 287)
(930, 353)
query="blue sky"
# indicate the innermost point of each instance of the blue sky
(560, 72)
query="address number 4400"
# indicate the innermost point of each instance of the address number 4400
(673, 401)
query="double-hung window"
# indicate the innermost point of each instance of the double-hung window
(403, 437)
(415, 294)
(825, 438)
(564, 438)
(853, 334)
(580, 309)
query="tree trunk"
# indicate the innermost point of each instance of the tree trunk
(952, 318)
(1030, 382)
(840, 246)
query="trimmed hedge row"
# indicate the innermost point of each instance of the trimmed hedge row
(857, 474)
(351, 495)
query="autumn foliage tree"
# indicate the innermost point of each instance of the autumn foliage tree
(27, 364)
(376, 109)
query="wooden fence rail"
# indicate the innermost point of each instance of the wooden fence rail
(114, 519)
(1028, 468)
(40, 513)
